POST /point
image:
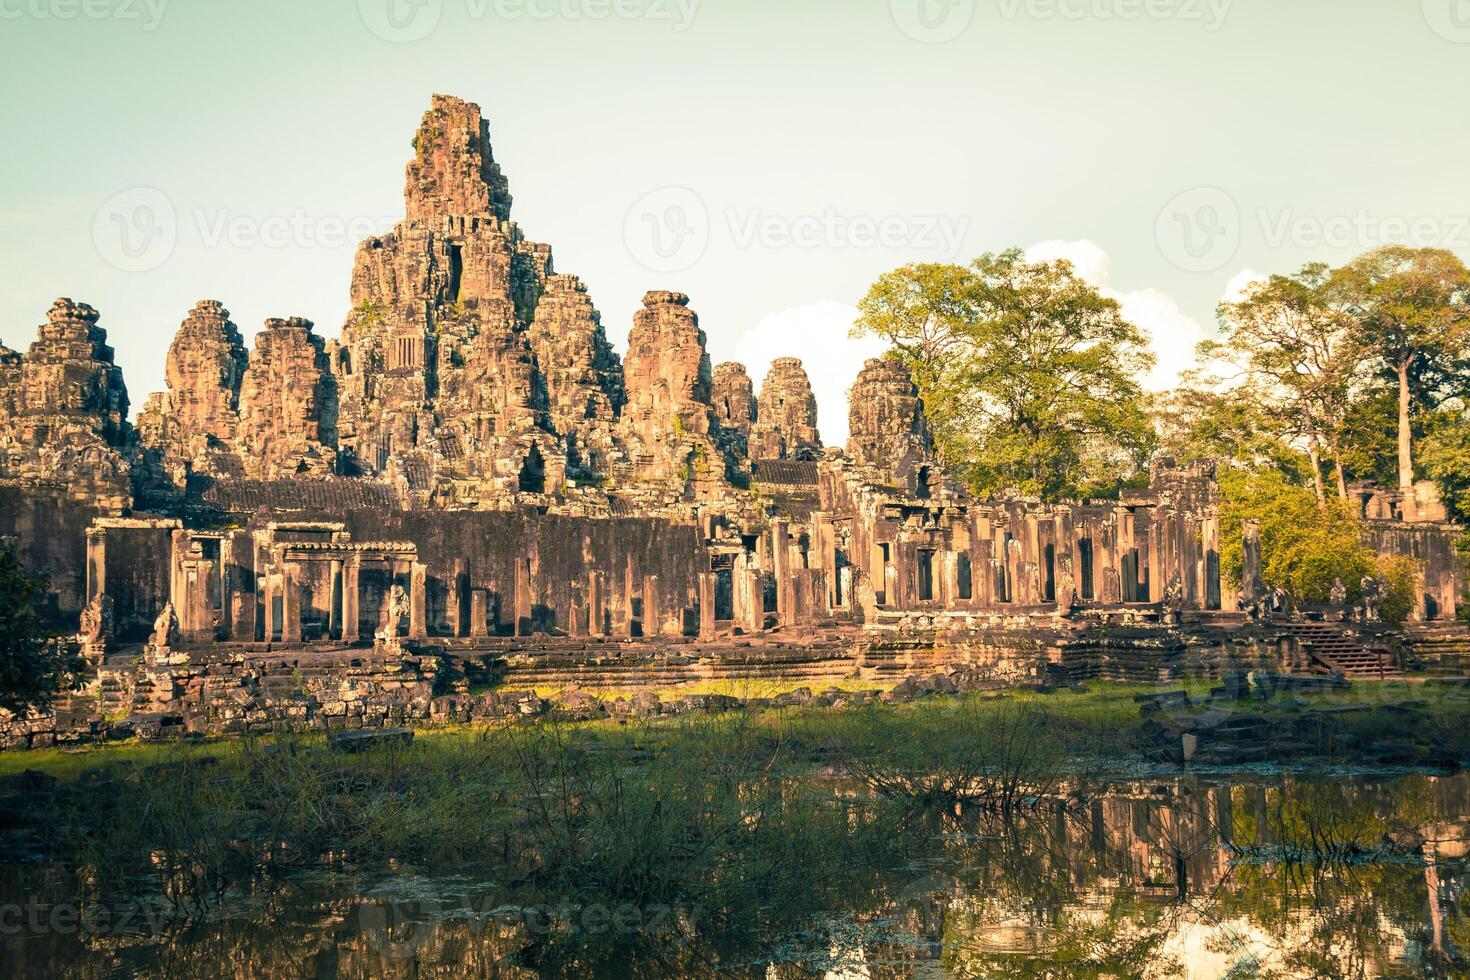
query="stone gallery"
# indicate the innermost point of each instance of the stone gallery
(471, 493)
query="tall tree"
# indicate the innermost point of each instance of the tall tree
(1411, 308)
(1296, 353)
(1028, 372)
(31, 674)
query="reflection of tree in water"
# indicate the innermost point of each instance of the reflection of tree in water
(1296, 878)
(1285, 878)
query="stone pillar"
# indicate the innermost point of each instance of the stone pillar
(290, 603)
(418, 625)
(755, 602)
(269, 590)
(596, 604)
(523, 597)
(453, 604)
(479, 613)
(653, 624)
(96, 562)
(1250, 572)
(334, 600)
(351, 599)
(1157, 560)
(706, 605)
(781, 568)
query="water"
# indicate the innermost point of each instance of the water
(1273, 876)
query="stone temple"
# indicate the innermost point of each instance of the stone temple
(469, 488)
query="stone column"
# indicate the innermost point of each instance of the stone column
(334, 600)
(290, 603)
(1250, 572)
(653, 624)
(706, 605)
(781, 568)
(96, 562)
(453, 604)
(351, 599)
(479, 613)
(596, 604)
(755, 602)
(270, 589)
(523, 596)
(418, 625)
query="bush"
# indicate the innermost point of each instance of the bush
(1400, 578)
(1304, 547)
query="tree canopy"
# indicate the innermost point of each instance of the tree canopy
(1030, 376)
(31, 674)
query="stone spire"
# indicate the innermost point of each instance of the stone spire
(288, 404)
(888, 429)
(734, 400)
(582, 372)
(192, 425)
(453, 173)
(669, 418)
(786, 422)
(64, 410)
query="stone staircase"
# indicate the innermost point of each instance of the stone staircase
(1335, 651)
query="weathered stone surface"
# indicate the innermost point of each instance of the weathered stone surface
(583, 375)
(453, 172)
(191, 427)
(669, 418)
(734, 400)
(786, 421)
(887, 427)
(288, 404)
(65, 410)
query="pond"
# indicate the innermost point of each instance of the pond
(1275, 875)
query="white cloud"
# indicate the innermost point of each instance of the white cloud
(1173, 334)
(818, 334)
(1235, 289)
(1088, 259)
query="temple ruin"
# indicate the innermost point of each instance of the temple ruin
(470, 480)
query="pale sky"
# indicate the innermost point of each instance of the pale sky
(768, 157)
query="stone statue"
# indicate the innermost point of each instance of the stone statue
(1280, 601)
(1252, 606)
(395, 610)
(165, 628)
(97, 621)
(1372, 607)
(1173, 602)
(1339, 595)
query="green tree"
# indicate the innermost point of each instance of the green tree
(1304, 546)
(31, 674)
(1411, 309)
(1200, 423)
(1028, 373)
(1445, 453)
(1293, 352)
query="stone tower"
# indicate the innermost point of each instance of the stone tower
(786, 420)
(288, 405)
(888, 429)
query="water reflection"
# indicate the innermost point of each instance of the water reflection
(1287, 877)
